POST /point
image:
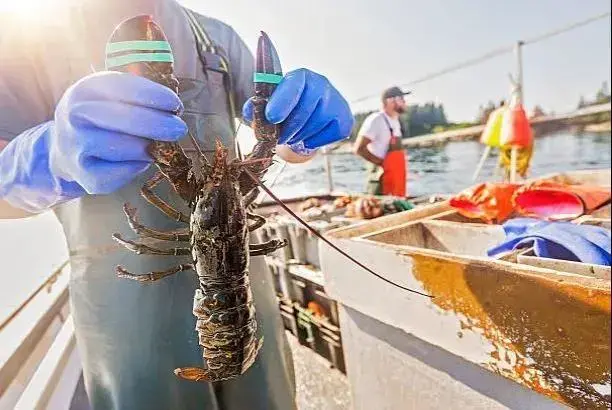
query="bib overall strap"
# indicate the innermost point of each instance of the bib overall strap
(395, 143)
(204, 42)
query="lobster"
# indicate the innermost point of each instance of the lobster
(219, 196)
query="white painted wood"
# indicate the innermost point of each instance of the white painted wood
(392, 370)
(28, 367)
(56, 373)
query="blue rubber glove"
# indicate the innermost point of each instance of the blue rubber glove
(557, 240)
(96, 143)
(311, 112)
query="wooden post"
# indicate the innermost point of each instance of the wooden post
(328, 170)
(485, 154)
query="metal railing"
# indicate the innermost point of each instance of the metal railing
(39, 361)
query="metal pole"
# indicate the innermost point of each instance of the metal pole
(518, 49)
(328, 170)
(519, 70)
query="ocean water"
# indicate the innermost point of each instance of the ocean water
(447, 168)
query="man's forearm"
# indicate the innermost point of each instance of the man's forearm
(368, 156)
(7, 211)
(361, 148)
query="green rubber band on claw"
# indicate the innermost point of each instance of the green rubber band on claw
(139, 58)
(267, 78)
(137, 45)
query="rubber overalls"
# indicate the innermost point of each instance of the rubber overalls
(390, 178)
(131, 336)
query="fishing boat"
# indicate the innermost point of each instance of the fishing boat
(457, 348)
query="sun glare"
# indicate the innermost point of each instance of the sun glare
(25, 9)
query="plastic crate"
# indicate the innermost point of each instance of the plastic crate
(287, 312)
(333, 344)
(277, 230)
(321, 337)
(305, 244)
(299, 291)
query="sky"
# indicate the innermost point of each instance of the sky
(364, 46)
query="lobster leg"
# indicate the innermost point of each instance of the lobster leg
(259, 221)
(141, 248)
(140, 229)
(266, 247)
(250, 197)
(159, 203)
(152, 276)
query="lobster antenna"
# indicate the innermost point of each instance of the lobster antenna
(237, 143)
(318, 235)
(198, 148)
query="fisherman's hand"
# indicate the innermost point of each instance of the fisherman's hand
(311, 114)
(103, 125)
(96, 143)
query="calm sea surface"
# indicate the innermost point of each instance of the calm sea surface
(447, 168)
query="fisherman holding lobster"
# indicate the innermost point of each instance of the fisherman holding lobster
(74, 142)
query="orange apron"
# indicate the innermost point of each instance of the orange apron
(390, 179)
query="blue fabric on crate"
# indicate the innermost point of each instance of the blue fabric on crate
(557, 240)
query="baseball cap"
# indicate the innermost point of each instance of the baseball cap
(394, 92)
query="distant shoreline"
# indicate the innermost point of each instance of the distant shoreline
(470, 133)
(601, 127)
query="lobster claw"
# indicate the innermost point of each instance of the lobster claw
(268, 70)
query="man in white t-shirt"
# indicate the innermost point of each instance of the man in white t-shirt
(380, 143)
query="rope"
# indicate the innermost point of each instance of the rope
(494, 53)
(450, 69)
(565, 29)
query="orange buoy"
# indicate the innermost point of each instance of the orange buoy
(516, 130)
